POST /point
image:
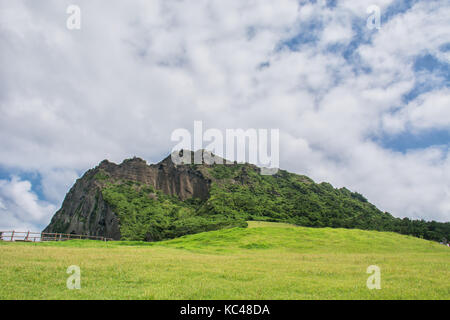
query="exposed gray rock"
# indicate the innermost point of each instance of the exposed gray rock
(85, 212)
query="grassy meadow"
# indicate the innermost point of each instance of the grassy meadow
(264, 261)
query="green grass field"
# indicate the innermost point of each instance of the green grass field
(265, 261)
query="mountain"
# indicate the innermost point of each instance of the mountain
(137, 201)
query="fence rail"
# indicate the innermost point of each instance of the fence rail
(28, 236)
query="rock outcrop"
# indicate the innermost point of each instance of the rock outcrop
(84, 210)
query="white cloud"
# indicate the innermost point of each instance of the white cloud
(133, 73)
(428, 111)
(422, 29)
(20, 207)
(360, 7)
(337, 33)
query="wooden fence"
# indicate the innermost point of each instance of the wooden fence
(29, 236)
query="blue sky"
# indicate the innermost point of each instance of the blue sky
(357, 107)
(426, 64)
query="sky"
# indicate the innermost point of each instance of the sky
(360, 107)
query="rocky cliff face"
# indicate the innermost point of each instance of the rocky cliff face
(84, 210)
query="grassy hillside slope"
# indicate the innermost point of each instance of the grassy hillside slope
(264, 261)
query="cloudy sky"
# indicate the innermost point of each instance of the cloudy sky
(359, 107)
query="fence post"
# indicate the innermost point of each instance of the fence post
(12, 236)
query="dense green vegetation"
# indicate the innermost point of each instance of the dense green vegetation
(148, 214)
(296, 199)
(264, 261)
(239, 193)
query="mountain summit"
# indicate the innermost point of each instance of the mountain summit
(137, 201)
